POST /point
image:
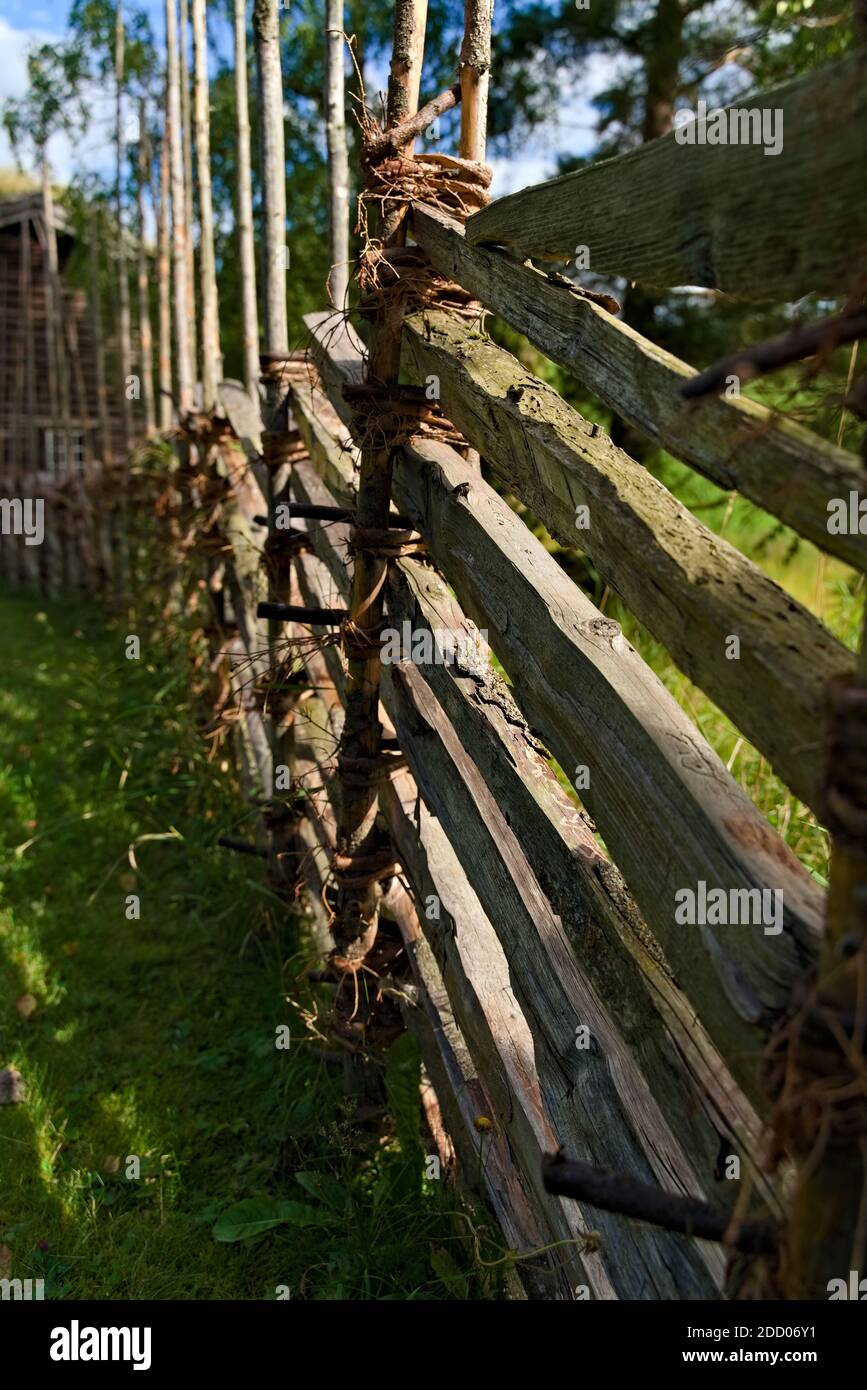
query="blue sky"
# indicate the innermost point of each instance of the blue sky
(23, 22)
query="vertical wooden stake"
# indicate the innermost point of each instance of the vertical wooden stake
(474, 69)
(124, 334)
(212, 364)
(475, 76)
(144, 310)
(246, 248)
(338, 157)
(180, 304)
(357, 908)
(828, 1227)
(187, 147)
(266, 27)
(164, 278)
(104, 438)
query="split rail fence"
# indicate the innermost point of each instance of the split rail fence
(520, 929)
(557, 1001)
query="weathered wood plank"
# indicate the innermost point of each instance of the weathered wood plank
(670, 814)
(327, 440)
(693, 590)
(583, 894)
(338, 353)
(508, 1156)
(579, 1085)
(727, 216)
(725, 843)
(486, 1162)
(523, 927)
(586, 893)
(738, 444)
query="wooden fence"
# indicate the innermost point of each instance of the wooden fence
(526, 940)
(559, 998)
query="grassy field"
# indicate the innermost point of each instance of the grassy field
(154, 1039)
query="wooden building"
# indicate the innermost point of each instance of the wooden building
(57, 417)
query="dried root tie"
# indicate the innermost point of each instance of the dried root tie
(388, 544)
(386, 417)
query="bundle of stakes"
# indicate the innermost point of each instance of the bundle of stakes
(394, 280)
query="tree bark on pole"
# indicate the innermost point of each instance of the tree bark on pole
(266, 28)
(144, 308)
(338, 156)
(124, 330)
(474, 70)
(187, 147)
(180, 300)
(475, 75)
(246, 245)
(164, 279)
(827, 1237)
(212, 367)
(357, 909)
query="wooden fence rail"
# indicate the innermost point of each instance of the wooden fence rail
(537, 932)
(740, 445)
(558, 995)
(704, 591)
(712, 212)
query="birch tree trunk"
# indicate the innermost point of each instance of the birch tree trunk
(187, 147)
(475, 76)
(164, 279)
(124, 332)
(180, 300)
(338, 158)
(266, 28)
(246, 247)
(144, 309)
(212, 365)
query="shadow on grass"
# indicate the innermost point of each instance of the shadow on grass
(156, 1099)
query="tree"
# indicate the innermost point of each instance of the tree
(212, 365)
(183, 345)
(244, 206)
(266, 27)
(144, 312)
(338, 159)
(187, 149)
(124, 332)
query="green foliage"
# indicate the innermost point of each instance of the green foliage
(155, 1038)
(251, 1219)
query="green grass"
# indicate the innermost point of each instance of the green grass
(155, 1037)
